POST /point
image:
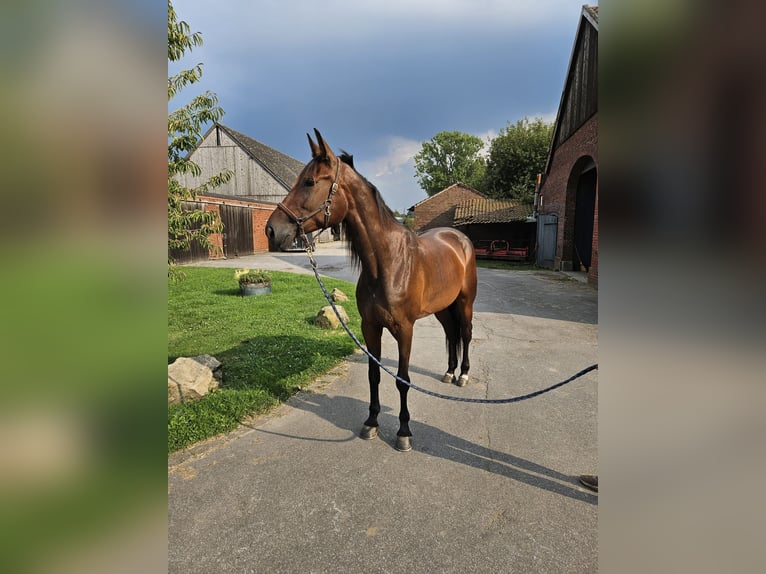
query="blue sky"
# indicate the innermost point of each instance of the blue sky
(378, 78)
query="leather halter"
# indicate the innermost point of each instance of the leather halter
(299, 221)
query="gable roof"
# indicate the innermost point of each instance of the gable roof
(588, 15)
(449, 188)
(491, 211)
(591, 13)
(283, 168)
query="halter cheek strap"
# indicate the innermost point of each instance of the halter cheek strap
(326, 205)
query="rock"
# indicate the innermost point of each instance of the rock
(189, 380)
(327, 319)
(211, 363)
(338, 295)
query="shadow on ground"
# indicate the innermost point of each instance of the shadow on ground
(348, 414)
(270, 362)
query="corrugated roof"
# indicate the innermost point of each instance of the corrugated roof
(284, 168)
(491, 211)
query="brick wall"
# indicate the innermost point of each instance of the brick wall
(558, 193)
(260, 217)
(260, 213)
(439, 209)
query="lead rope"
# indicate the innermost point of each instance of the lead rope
(577, 375)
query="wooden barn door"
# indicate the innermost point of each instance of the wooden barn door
(237, 230)
(195, 252)
(547, 232)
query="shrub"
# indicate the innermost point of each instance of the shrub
(252, 276)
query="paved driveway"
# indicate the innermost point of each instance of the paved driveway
(485, 489)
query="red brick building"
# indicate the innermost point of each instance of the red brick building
(568, 197)
(439, 209)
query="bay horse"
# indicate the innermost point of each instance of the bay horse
(404, 277)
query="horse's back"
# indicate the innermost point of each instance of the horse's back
(448, 267)
(437, 239)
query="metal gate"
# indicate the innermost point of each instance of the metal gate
(547, 232)
(237, 230)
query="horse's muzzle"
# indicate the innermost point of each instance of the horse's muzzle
(281, 235)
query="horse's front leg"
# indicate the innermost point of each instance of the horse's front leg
(404, 338)
(372, 337)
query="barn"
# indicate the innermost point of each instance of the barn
(488, 223)
(567, 202)
(261, 173)
(244, 228)
(262, 177)
(498, 228)
(439, 209)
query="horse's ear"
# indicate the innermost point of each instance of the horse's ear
(314, 147)
(324, 150)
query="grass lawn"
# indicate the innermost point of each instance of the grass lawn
(268, 345)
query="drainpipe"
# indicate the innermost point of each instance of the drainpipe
(534, 217)
(537, 192)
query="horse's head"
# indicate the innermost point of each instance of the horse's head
(316, 200)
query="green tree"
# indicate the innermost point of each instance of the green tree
(516, 156)
(185, 128)
(447, 158)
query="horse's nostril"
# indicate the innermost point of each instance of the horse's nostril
(269, 232)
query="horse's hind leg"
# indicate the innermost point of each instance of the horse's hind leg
(372, 336)
(465, 315)
(452, 333)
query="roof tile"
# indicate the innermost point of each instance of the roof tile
(491, 211)
(283, 167)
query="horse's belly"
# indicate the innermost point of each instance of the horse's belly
(440, 299)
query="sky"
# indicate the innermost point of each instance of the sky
(379, 78)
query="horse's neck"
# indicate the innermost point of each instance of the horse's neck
(375, 239)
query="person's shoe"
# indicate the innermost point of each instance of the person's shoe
(589, 481)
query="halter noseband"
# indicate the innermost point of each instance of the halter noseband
(299, 221)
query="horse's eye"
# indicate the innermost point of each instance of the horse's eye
(308, 182)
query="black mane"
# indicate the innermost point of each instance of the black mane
(383, 210)
(347, 158)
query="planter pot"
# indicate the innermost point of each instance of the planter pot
(250, 289)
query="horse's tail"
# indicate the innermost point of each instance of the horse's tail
(453, 334)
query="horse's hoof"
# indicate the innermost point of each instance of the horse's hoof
(448, 378)
(368, 432)
(462, 381)
(403, 443)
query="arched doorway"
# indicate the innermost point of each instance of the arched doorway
(581, 192)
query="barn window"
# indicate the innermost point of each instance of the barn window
(217, 136)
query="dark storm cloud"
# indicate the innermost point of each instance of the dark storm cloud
(375, 75)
